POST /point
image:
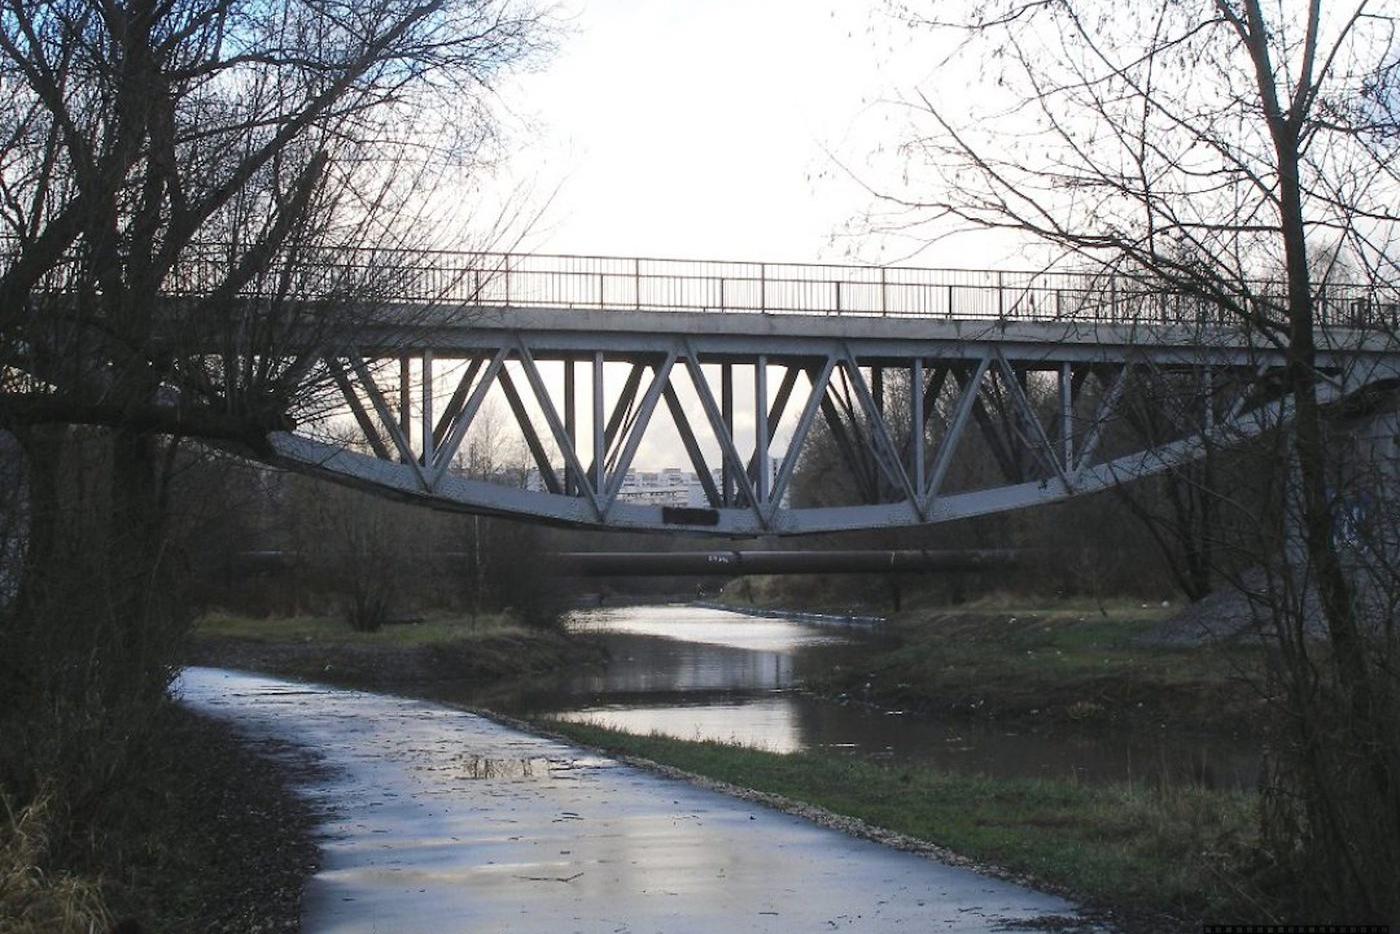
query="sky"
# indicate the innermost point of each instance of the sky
(713, 129)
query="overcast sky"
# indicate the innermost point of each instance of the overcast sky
(712, 128)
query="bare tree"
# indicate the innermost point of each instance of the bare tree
(178, 181)
(1206, 146)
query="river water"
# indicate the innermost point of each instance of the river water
(697, 673)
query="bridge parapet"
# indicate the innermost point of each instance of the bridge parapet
(611, 283)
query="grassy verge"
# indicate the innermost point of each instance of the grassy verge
(488, 650)
(1158, 855)
(1053, 661)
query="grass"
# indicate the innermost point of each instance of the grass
(1016, 659)
(1142, 848)
(333, 630)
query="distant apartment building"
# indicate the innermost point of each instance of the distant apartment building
(670, 486)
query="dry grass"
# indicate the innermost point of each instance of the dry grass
(36, 901)
(327, 630)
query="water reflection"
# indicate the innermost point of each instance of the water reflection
(697, 673)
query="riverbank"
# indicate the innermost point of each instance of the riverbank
(1030, 663)
(1151, 858)
(490, 652)
(203, 834)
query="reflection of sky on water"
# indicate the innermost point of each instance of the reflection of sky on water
(711, 627)
(766, 723)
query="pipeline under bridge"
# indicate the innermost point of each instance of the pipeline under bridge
(734, 563)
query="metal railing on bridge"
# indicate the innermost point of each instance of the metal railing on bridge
(653, 284)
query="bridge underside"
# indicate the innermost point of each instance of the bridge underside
(790, 424)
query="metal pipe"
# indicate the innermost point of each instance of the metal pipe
(735, 563)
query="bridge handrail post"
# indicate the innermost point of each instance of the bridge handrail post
(884, 301)
(1001, 296)
(837, 283)
(763, 287)
(1113, 298)
(602, 302)
(637, 284)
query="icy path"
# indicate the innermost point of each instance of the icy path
(443, 821)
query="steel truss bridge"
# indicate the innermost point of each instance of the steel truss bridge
(903, 371)
(944, 394)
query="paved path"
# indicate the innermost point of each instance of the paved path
(442, 821)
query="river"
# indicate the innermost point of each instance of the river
(697, 673)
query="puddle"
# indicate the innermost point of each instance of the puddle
(483, 767)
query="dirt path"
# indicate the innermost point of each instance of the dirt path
(444, 821)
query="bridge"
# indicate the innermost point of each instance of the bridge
(909, 375)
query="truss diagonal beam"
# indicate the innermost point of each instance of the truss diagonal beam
(1038, 442)
(661, 376)
(886, 454)
(527, 428)
(957, 425)
(1107, 406)
(458, 430)
(692, 447)
(556, 426)
(381, 407)
(721, 432)
(459, 399)
(799, 435)
(357, 409)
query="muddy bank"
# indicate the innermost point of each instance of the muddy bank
(487, 659)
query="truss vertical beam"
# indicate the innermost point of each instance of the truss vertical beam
(916, 424)
(1208, 399)
(600, 449)
(760, 427)
(427, 407)
(726, 401)
(570, 423)
(405, 394)
(775, 414)
(1067, 416)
